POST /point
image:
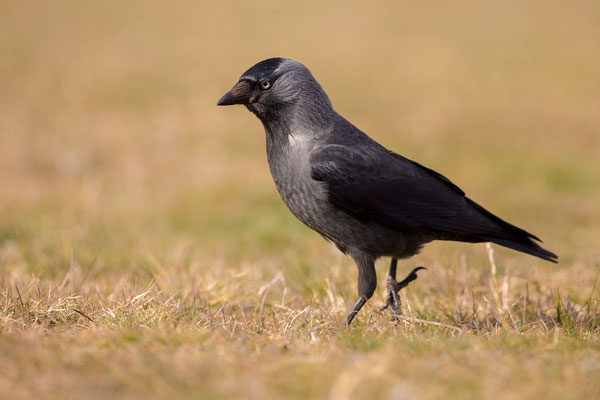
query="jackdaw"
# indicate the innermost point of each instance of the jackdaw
(369, 201)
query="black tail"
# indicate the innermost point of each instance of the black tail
(514, 237)
(526, 246)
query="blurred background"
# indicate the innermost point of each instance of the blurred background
(112, 146)
(145, 251)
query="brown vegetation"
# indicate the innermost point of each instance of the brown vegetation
(145, 253)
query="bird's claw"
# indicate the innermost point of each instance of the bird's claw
(393, 288)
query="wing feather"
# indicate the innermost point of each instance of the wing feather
(397, 192)
(370, 182)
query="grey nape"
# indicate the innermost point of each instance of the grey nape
(369, 201)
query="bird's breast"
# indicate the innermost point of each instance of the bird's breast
(290, 168)
(308, 200)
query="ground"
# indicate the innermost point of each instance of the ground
(145, 253)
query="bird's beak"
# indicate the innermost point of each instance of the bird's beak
(241, 93)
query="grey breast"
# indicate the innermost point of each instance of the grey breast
(289, 162)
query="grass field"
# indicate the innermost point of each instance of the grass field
(145, 253)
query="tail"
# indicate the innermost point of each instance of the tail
(526, 246)
(514, 237)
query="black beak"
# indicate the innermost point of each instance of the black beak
(241, 93)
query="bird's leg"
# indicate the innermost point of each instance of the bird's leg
(393, 298)
(393, 287)
(367, 283)
(357, 306)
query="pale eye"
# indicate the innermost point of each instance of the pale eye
(264, 85)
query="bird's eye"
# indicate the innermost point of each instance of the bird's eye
(264, 85)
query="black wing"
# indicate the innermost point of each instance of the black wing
(369, 182)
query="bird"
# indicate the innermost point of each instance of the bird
(369, 201)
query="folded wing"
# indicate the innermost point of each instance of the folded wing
(369, 182)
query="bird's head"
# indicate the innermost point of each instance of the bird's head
(274, 87)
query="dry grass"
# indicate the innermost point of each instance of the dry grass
(144, 252)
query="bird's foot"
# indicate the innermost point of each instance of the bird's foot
(393, 287)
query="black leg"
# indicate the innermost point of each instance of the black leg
(393, 300)
(393, 265)
(367, 283)
(357, 306)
